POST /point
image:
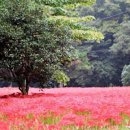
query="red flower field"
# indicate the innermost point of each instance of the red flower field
(65, 109)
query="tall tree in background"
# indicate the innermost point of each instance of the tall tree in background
(36, 37)
(125, 76)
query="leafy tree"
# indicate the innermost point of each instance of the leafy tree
(125, 76)
(60, 77)
(36, 36)
(122, 39)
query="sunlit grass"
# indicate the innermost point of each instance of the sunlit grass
(32, 122)
(3, 117)
(50, 119)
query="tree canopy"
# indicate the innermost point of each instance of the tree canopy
(36, 37)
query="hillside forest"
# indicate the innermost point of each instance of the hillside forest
(106, 63)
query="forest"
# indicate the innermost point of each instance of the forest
(105, 63)
(80, 44)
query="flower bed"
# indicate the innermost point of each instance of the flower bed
(65, 109)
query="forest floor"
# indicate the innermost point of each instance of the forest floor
(65, 109)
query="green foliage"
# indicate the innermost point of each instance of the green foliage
(105, 61)
(36, 37)
(62, 15)
(60, 77)
(122, 39)
(84, 63)
(87, 35)
(33, 48)
(64, 2)
(125, 76)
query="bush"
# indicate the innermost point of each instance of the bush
(125, 76)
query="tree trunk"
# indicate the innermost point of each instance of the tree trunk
(24, 86)
(61, 85)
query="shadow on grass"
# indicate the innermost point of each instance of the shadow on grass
(32, 95)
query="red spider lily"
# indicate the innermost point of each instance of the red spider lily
(58, 107)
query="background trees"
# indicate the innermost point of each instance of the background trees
(125, 76)
(106, 60)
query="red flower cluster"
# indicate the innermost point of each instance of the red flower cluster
(61, 107)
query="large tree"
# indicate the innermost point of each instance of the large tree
(36, 36)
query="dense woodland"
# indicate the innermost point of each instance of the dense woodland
(105, 63)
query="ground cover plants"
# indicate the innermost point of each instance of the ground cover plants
(65, 109)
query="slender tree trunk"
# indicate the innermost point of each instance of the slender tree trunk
(24, 86)
(27, 85)
(61, 85)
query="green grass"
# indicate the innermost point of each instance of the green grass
(52, 119)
